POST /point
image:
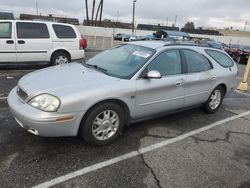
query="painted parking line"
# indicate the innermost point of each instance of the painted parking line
(240, 92)
(132, 154)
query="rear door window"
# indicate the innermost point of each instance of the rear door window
(167, 63)
(196, 62)
(220, 58)
(5, 30)
(26, 30)
(64, 31)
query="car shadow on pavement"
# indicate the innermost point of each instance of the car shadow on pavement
(52, 157)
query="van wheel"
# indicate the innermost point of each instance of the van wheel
(215, 100)
(60, 58)
(103, 124)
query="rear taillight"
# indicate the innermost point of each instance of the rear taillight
(82, 43)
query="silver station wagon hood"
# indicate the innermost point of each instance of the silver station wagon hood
(64, 79)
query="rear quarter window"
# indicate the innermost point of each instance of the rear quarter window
(220, 58)
(64, 31)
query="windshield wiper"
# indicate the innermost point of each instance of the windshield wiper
(105, 71)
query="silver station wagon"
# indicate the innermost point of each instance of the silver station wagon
(120, 86)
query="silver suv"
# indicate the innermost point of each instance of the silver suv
(125, 84)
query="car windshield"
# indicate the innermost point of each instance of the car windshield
(235, 46)
(246, 48)
(214, 44)
(122, 61)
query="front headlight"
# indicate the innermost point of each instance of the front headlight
(45, 102)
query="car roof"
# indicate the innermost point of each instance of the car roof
(235, 44)
(36, 21)
(149, 44)
(161, 44)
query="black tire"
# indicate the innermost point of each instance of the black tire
(85, 130)
(207, 107)
(57, 55)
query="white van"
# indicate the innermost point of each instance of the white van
(35, 41)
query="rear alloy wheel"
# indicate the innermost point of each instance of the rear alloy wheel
(215, 100)
(60, 58)
(103, 124)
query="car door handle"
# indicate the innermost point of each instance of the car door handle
(10, 41)
(21, 42)
(213, 78)
(179, 83)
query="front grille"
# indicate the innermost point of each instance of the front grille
(22, 94)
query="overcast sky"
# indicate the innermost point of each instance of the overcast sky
(209, 13)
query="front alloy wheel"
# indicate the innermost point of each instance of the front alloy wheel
(102, 124)
(105, 125)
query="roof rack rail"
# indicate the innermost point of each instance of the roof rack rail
(178, 43)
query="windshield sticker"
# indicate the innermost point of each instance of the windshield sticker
(141, 54)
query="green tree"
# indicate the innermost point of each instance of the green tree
(189, 26)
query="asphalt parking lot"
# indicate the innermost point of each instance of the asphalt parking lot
(188, 149)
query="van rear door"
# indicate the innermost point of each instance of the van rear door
(7, 41)
(33, 42)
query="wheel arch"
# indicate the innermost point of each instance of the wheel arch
(60, 50)
(120, 102)
(224, 87)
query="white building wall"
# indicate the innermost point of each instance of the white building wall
(108, 32)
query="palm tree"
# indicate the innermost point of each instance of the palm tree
(99, 11)
(100, 20)
(93, 11)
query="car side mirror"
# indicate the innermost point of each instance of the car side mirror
(153, 75)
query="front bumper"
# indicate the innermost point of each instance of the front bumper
(43, 123)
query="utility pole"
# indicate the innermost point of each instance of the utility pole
(175, 21)
(37, 13)
(245, 26)
(167, 22)
(116, 23)
(117, 16)
(133, 22)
